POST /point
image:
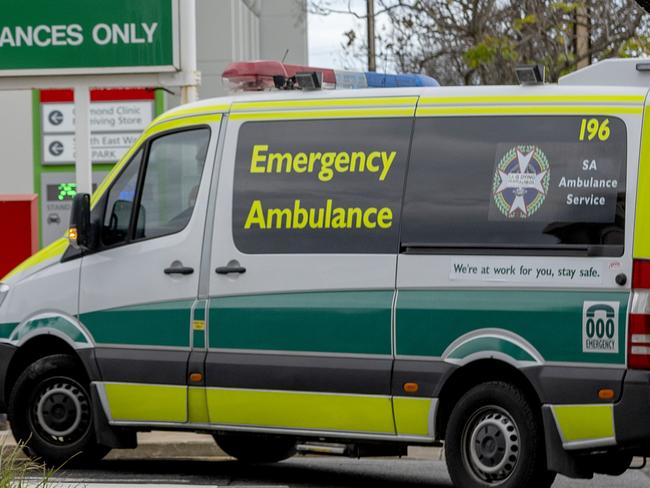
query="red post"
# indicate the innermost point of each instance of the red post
(19, 230)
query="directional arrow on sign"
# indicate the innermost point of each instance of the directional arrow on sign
(55, 148)
(55, 117)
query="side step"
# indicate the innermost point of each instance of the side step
(352, 450)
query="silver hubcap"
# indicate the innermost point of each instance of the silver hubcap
(491, 445)
(61, 410)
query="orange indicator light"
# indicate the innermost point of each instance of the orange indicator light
(606, 394)
(410, 387)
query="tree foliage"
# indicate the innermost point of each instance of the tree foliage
(481, 41)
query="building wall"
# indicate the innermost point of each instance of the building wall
(241, 30)
(16, 158)
(283, 27)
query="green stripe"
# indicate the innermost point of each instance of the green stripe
(7, 329)
(55, 322)
(339, 322)
(156, 324)
(495, 344)
(198, 336)
(429, 321)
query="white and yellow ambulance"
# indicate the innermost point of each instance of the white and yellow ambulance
(368, 268)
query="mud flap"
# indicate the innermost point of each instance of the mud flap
(108, 436)
(557, 458)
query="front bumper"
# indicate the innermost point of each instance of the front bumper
(7, 352)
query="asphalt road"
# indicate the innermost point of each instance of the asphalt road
(316, 472)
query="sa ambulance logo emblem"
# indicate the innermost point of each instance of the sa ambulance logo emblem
(521, 182)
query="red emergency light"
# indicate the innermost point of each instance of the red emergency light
(269, 75)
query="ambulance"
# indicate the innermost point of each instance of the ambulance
(355, 263)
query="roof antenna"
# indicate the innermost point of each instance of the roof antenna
(285, 55)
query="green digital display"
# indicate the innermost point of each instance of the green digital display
(61, 192)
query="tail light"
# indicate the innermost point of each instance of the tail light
(639, 323)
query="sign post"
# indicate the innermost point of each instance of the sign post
(83, 163)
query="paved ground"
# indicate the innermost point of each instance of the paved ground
(176, 459)
(300, 472)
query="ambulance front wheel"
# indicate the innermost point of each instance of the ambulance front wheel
(50, 413)
(494, 437)
(254, 449)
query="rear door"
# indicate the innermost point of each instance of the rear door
(517, 222)
(138, 290)
(303, 267)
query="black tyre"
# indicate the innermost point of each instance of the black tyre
(50, 412)
(251, 448)
(494, 437)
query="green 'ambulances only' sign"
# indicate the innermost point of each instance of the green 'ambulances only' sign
(88, 36)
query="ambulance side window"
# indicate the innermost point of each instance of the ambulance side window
(171, 183)
(117, 219)
(320, 186)
(504, 185)
(163, 193)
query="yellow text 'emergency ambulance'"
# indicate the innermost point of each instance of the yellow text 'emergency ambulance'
(365, 269)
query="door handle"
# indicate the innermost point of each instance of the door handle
(223, 270)
(181, 270)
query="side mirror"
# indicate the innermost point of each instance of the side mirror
(79, 231)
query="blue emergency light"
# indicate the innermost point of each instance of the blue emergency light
(264, 75)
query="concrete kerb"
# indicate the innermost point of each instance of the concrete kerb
(179, 445)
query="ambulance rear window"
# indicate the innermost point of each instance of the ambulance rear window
(530, 184)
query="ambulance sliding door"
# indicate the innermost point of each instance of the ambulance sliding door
(303, 272)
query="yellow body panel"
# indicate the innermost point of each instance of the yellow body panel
(413, 416)
(197, 405)
(529, 109)
(545, 99)
(584, 422)
(54, 250)
(642, 224)
(147, 403)
(326, 114)
(300, 410)
(326, 103)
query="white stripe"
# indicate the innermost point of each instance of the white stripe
(640, 302)
(641, 350)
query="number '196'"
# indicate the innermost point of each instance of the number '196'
(592, 128)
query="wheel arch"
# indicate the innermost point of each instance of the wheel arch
(474, 373)
(40, 345)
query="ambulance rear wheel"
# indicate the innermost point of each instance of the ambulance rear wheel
(256, 449)
(495, 438)
(51, 415)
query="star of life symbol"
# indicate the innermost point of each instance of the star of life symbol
(521, 181)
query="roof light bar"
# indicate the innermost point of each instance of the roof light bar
(269, 75)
